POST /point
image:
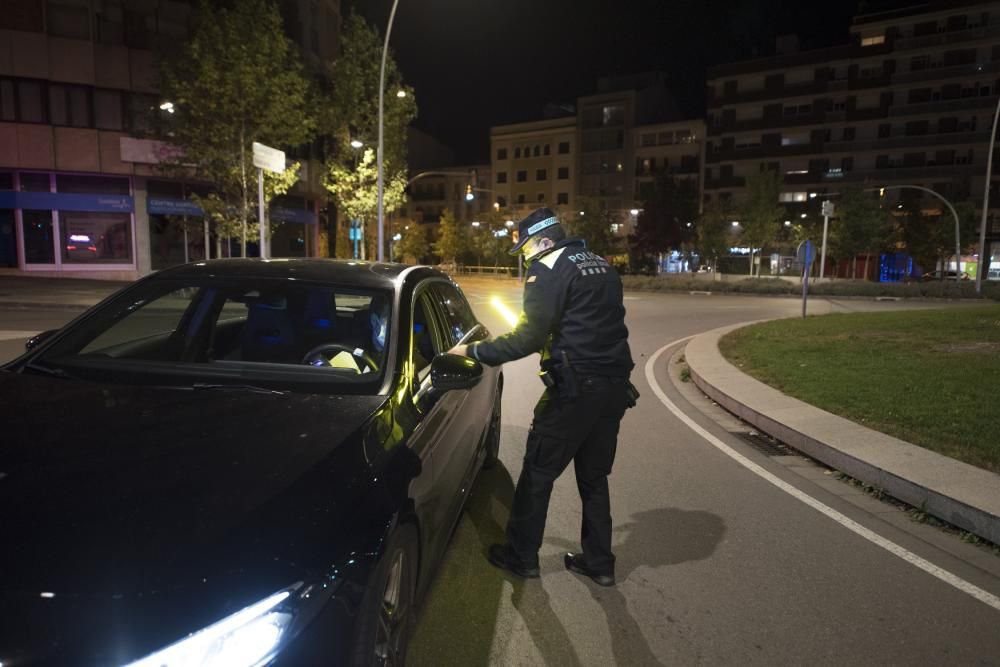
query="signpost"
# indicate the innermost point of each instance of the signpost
(827, 214)
(805, 255)
(264, 157)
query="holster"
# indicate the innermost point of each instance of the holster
(560, 378)
(631, 396)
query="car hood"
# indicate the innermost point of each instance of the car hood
(115, 498)
(96, 477)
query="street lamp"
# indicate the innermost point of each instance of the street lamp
(954, 214)
(983, 255)
(381, 123)
(356, 144)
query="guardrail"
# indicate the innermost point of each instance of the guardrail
(468, 270)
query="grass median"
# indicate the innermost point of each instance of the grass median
(929, 377)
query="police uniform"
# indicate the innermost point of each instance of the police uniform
(575, 317)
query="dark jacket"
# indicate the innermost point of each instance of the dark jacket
(572, 304)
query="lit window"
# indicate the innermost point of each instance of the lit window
(793, 196)
(873, 41)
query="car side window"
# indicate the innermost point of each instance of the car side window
(427, 339)
(456, 311)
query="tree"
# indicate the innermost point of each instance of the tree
(714, 231)
(761, 213)
(415, 243)
(237, 80)
(860, 227)
(353, 188)
(593, 223)
(350, 113)
(929, 231)
(663, 224)
(451, 243)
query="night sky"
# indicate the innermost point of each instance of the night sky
(477, 63)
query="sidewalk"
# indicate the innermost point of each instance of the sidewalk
(961, 494)
(72, 293)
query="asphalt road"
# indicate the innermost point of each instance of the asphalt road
(715, 564)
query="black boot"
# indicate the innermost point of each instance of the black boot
(500, 556)
(575, 563)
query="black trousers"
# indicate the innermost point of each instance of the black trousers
(584, 431)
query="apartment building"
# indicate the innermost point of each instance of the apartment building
(534, 164)
(908, 100)
(80, 192)
(675, 149)
(433, 190)
(610, 151)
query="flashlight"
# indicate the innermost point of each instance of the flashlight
(504, 311)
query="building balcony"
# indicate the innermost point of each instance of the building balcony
(947, 38)
(943, 106)
(948, 139)
(953, 72)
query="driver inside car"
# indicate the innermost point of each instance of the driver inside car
(378, 321)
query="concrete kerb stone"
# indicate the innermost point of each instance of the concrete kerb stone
(961, 494)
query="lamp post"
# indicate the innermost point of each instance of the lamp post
(983, 257)
(381, 104)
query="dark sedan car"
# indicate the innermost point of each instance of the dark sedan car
(239, 462)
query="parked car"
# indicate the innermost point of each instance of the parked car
(936, 275)
(238, 462)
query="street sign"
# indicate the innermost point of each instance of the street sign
(265, 157)
(806, 254)
(828, 208)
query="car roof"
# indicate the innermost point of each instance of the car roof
(368, 275)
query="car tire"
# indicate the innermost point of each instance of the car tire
(493, 432)
(387, 610)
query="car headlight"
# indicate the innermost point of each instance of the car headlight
(247, 638)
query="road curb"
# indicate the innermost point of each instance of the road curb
(961, 494)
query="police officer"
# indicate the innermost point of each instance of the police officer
(574, 316)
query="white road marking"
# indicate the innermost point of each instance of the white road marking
(893, 548)
(11, 335)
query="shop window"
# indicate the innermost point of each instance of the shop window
(35, 182)
(37, 228)
(95, 238)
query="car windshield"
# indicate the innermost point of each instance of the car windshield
(274, 334)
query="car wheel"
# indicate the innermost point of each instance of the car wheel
(493, 434)
(387, 612)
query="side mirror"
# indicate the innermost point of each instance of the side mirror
(38, 339)
(453, 371)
